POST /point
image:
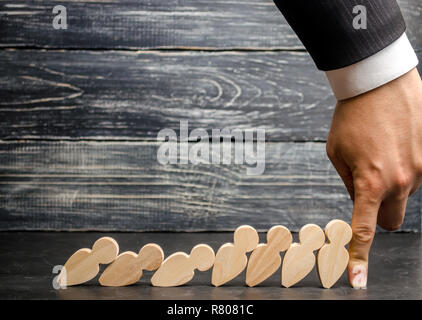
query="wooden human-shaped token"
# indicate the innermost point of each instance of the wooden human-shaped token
(265, 259)
(299, 258)
(179, 267)
(83, 265)
(332, 258)
(231, 258)
(128, 266)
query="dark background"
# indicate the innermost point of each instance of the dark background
(80, 110)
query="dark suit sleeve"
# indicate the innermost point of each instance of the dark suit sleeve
(325, 28)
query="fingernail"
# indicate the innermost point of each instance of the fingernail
(359, 277)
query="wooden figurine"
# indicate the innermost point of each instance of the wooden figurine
(332, 258)
(83, 265)
(299, 258)
(179, 267)
(128, 266)
(231, 258)
(265, 259)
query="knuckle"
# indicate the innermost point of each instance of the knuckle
(371, 185)
(402, 183)
(363, 233)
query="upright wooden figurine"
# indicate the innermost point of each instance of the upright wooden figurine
(265, 259)
(83, 265)
(179, 267)
(231, 258)
(128, 266)
(332, 258)
(299, 258)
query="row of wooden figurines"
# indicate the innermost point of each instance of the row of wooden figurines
(230, 260)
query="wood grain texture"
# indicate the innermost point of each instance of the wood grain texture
(332, 258)
(132, 96)
(161, 23)
(179, 268)
(83, 265)
(121, 186)
(128, 267)
(103, 89)
(265, 259)
(231, 258)
(299, 259)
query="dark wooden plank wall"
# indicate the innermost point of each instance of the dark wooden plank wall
(73, 94)
(107, 185)
(142, 24)
(80, 110)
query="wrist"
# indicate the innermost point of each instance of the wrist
(386, 65)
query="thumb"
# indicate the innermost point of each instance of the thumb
(364, 222)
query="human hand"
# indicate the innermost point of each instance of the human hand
(375, 144)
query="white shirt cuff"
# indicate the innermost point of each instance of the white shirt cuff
(382, 67)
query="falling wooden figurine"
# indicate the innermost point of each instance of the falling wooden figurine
(179, 267)
(299, 259)
(231, 258)
(332, 258)
(128, 266)
(83, 265)
(265, 259)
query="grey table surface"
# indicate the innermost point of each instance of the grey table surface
(27, 260)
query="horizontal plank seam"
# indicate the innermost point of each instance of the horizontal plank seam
(115, 230)
(158, 49)
(210, 49)
(146, 140)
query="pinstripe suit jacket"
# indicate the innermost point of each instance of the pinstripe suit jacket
(326, 28)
